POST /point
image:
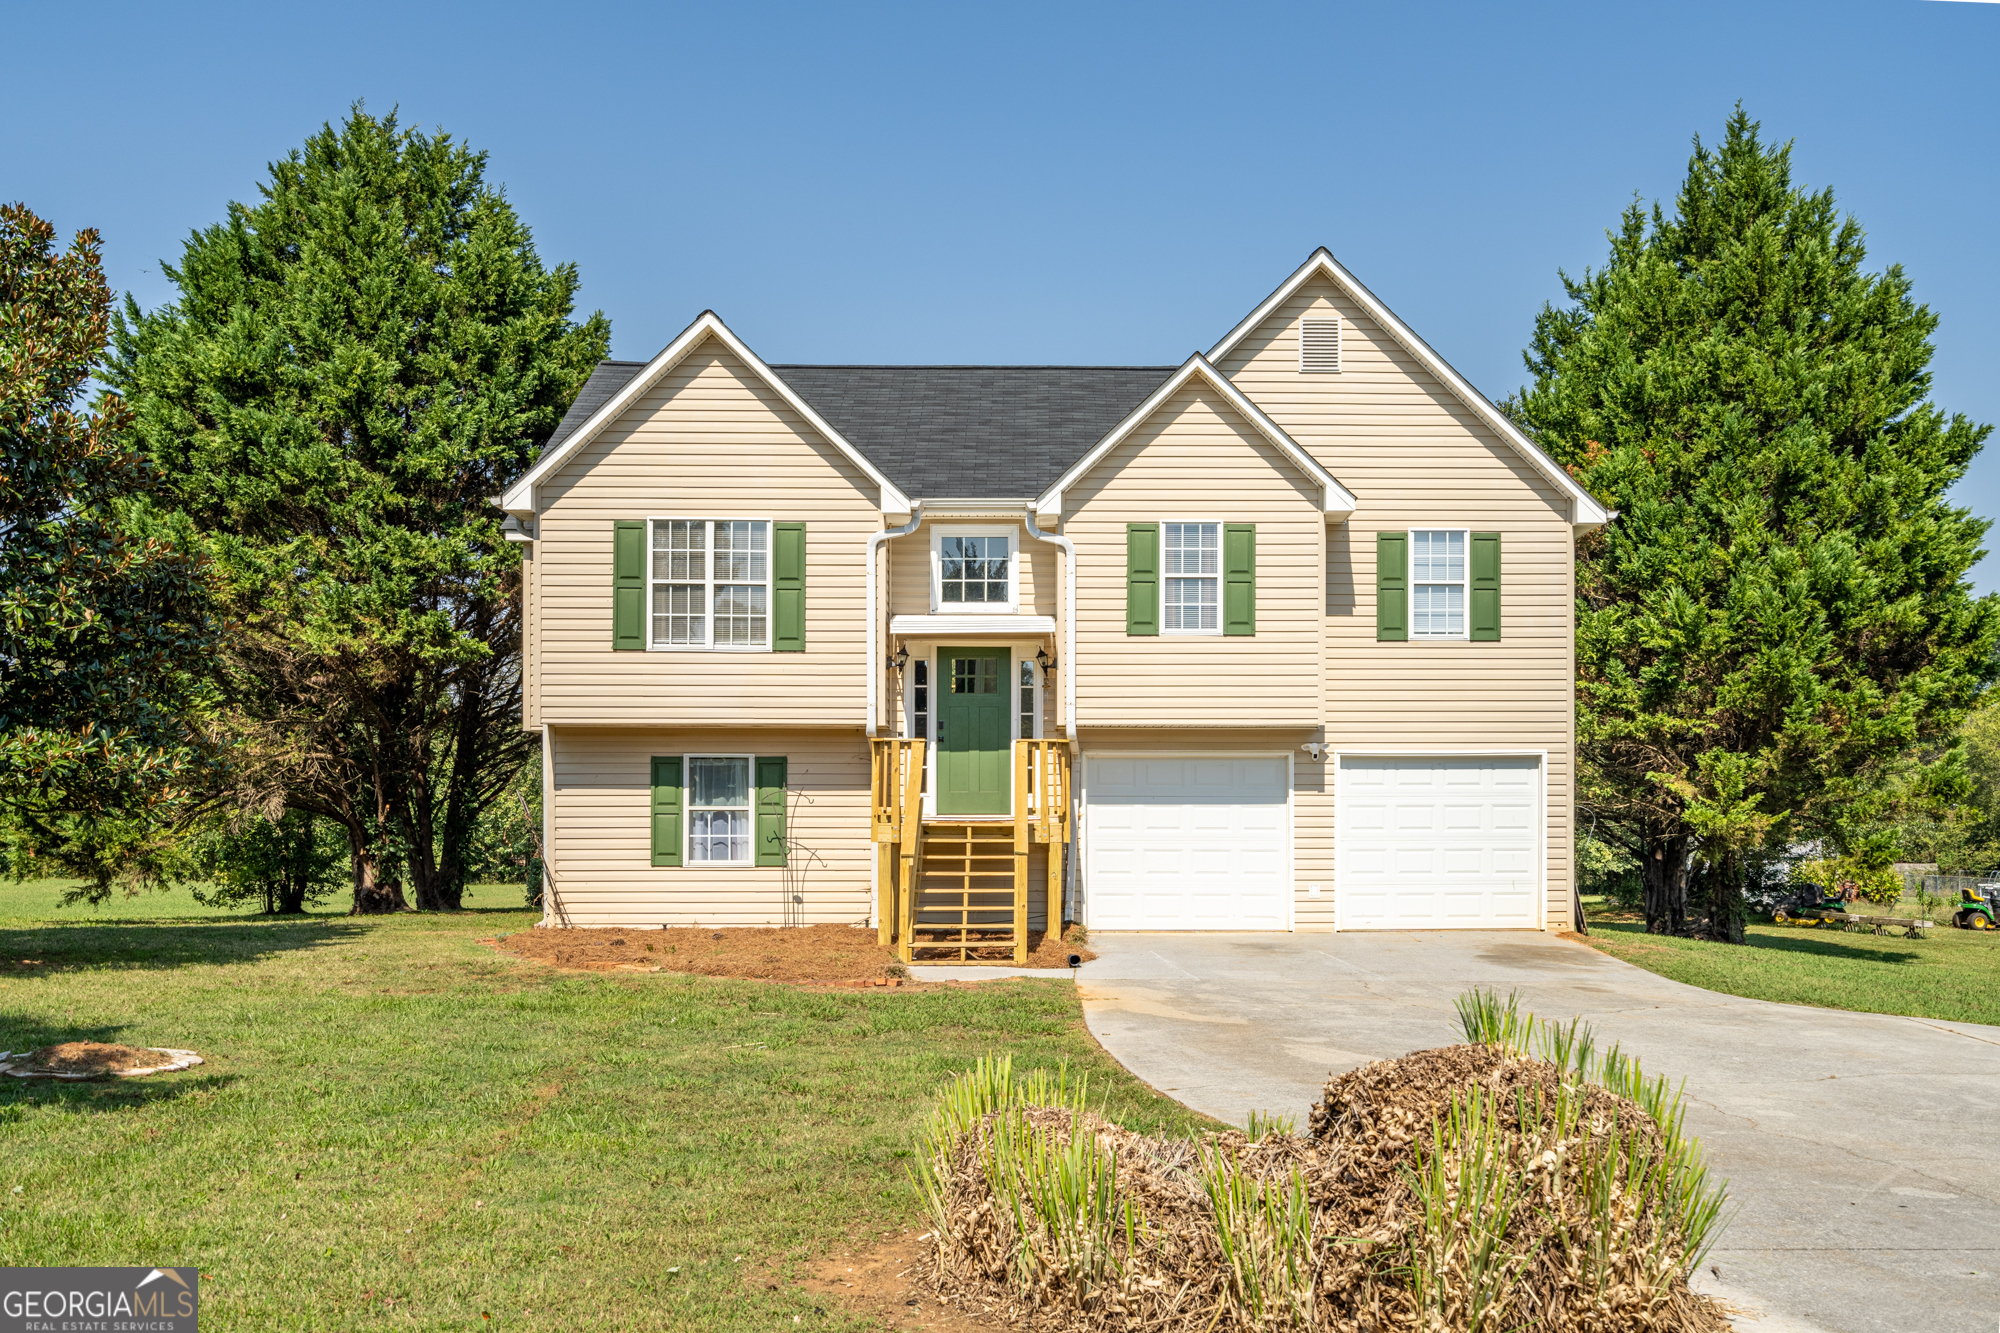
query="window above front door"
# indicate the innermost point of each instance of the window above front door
(973, 570)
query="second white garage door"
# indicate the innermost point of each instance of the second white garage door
(1438, 843)
(1186, 843)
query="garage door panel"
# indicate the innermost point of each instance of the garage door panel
(1428, 842)
(1406, 817)
(1208, 833)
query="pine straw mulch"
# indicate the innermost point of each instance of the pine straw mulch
(1355, 1162)
(838, 955)
(94, 1059)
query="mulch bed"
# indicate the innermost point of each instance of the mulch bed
(826, 954)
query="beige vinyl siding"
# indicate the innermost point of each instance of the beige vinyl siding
(602, 838)
(1415, 456)
(908, 591)
(711, 440)
(1197, 460)
(603, 831)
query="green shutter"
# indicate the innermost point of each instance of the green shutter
(771, 810)
(1142, 578)
(1392, 585)
(788, 587)
(1239, 578)
(1485, 598)
(666, 810)
(628, 586)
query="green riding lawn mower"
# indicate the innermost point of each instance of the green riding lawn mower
(1976, 908)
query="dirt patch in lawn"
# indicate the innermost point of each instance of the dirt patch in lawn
(793, 953)
(882, 1282)
(93, 1059)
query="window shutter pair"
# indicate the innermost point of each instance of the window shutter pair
(628, 586)
(1392, 587)
(1142, 578)
(771, 773)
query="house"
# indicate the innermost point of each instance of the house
(1280, 638)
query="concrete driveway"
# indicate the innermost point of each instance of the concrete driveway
(1863, 1150)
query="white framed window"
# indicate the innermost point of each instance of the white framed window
(1026, 729)
(972, 570)
(710, 583)
(1437, 582)
(720, 821)
(1191, 578)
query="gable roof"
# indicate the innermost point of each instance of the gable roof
(1585, 508)
(1334, 497)
(973, 431)
(606, 379)
(519, 499)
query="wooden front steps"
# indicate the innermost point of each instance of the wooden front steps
(956, 891)
(970, 904)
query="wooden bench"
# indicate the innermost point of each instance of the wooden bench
(1911, 928)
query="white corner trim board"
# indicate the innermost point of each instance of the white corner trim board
(1585, 511)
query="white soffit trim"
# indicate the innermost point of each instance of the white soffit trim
(1587, 510)
(1335, 498)
(985, 627)
(520, 497)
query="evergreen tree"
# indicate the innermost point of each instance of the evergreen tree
(1775, 638)
(353, 367)
(105, 615)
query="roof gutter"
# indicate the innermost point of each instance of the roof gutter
(875, 540)
(1068, 663)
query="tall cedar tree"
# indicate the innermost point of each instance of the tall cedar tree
(1776, 630)
(354, 366)
(105, 610)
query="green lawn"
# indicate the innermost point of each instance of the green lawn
(400, 1127)
(1952, 974)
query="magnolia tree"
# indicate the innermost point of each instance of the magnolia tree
(1775, 638)
(105, 614)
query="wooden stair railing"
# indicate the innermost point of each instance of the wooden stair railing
(896, 785)
(963, 884)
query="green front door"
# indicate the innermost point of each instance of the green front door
(975, 747)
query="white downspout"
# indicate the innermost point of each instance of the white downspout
(875, 540)
(1068, 663)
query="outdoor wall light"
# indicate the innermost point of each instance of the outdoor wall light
(1045, 662)
(901, 659)
(1314, 748)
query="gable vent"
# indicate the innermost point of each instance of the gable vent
(1319, 346)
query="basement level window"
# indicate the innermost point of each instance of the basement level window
(718, 809)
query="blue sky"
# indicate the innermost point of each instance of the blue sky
(1062, 183)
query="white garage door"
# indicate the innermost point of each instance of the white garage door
(1186, 844)
(1437, 843)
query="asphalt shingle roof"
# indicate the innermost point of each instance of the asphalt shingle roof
(947, 431)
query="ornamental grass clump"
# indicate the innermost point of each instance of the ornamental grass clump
(1523, 1180)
